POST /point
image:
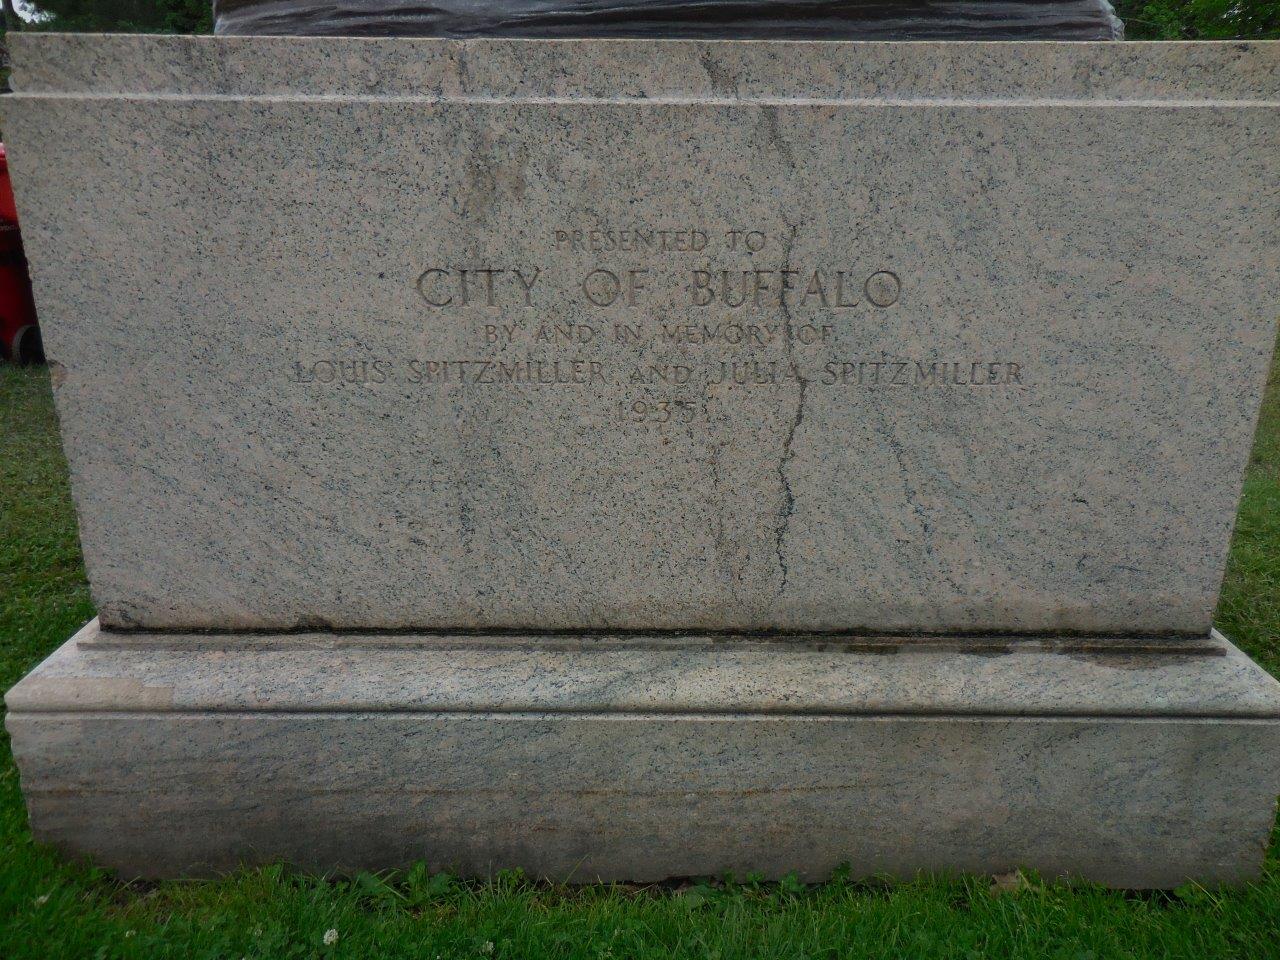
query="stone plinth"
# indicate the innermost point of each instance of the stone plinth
(735, 356)
(594, 758)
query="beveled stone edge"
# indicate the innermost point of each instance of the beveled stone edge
(587, 641)
(84, 676)
(647, 71)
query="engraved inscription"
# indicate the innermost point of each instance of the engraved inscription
(882, 288)
(655, 325)
(463, 287)
(478, 370)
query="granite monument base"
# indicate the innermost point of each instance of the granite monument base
(1136, 763)
(656, 435)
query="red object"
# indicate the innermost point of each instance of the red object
(19, 332)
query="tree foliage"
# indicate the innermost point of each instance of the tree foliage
(1200, 19)
(125, 16)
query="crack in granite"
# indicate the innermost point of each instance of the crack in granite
(788, 508)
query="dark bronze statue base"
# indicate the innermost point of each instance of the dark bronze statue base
(666, 19)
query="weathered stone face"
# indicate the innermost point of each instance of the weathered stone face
(629, 335)
(657, 336)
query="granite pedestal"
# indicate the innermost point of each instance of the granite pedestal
(635, 459)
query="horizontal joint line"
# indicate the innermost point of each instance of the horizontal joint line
(660, 100)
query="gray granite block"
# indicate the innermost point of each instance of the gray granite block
(421, 334)
(156, 756)
(639, 459)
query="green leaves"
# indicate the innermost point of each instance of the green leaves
(1200, 19)
(126, 16)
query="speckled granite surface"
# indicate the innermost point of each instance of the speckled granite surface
(423, 339)
(755, 336)
(643, 762)
(887, 675)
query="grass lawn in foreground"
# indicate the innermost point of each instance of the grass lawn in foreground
(50, 909)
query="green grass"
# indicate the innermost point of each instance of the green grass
(50, 909)
(1249, 611)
